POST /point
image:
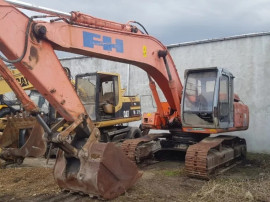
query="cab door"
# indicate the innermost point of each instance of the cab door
(108, 96)
(225, 100)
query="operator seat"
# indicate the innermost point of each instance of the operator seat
(107, 101)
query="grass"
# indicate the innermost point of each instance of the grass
(172, 173)
(260, 160)
(234, 190)
(249, 182)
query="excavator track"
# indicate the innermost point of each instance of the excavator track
(132, 150)
(129, 148)
(206, 157)
(203, 159)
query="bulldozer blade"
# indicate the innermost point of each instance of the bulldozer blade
(103, 171)
(34, 146)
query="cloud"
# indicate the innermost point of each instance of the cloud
(175, 21)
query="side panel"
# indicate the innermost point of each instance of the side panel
(241, 116)
(129, 109)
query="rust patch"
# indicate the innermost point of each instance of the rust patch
(32, 36)
(95, 156)
(33, 54)
(34, 145)
(52, 90)
(105, 172)
(27, 65)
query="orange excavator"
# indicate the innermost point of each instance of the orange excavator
(206, 105)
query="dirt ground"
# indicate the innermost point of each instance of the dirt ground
(162, 181)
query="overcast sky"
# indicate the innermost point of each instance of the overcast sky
(176, 21)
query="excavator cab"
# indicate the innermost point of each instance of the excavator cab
(99, 93)
(208, 98)
(103, 99)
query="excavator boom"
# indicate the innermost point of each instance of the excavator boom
(111, 44)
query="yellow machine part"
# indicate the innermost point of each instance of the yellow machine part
(3, 123)
(24, 83)
(16, 144)
(116, 121)
(127, 103)
(12, 126)
(3, 106)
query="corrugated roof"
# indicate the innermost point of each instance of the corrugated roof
(219, 39)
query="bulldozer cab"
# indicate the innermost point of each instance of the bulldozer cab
(208, 98)
(99, 93)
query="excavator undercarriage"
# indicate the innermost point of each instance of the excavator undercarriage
(204, 156)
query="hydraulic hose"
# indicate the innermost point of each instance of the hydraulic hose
(25, 45)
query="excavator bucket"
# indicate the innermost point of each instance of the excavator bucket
(103, 171)
(13, 125)
(22, 137)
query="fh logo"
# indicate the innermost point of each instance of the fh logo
(90, 40)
